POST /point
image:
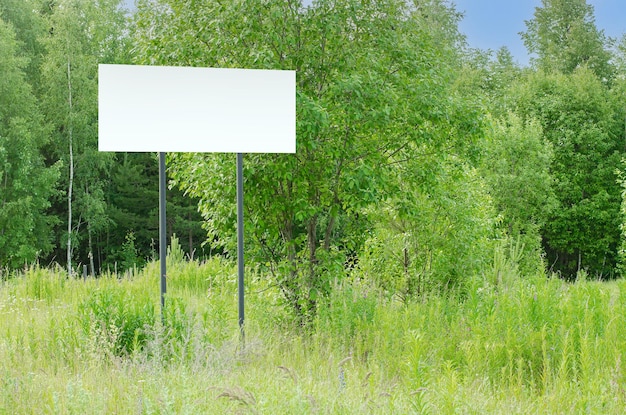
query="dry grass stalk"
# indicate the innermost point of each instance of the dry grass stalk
(290, 373)
(240, 395)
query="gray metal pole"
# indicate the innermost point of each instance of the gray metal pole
(162, 229)
(240, 260)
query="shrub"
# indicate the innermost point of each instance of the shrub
(117, 319)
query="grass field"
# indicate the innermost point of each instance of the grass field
(536, 345)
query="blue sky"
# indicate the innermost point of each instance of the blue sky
(491, 24)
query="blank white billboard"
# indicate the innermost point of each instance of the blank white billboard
(183, 109)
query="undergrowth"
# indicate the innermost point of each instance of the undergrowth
(506, 345)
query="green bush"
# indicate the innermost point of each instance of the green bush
(432, 241)
(117, 320)
(350, 308)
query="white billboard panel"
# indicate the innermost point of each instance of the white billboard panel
(183, 109)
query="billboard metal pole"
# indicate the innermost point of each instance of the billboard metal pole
(162, 230)
(240, 258)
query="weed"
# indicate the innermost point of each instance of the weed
(515, 345)
(117, 319)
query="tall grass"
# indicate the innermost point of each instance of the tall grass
(535, 345)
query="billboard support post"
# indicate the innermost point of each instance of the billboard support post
(240, 250)
(162, 231)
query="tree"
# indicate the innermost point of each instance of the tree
(132, 201)
(82, 34)
(30, 26)
(619, 58)
(570, 98)
(431, 237)
(488, 76)
(517, 168)
(578, 118)
(368, 94)
(564, 36)
(26, 184)
(618, 92)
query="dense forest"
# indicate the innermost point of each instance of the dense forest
(420, 160)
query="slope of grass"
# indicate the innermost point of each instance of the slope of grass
(98, 346)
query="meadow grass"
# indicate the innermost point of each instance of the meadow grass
(537, 345)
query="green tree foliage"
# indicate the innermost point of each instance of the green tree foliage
(618, 87)
(517, 167)
(372, 92)
(26, 17)
(132, 200)
(82, 34)
(26, 184)
(621, 254)
(619, 57)
(431, 238)
(56, 47)
(398, 172)
(618, 95)
(564, 36)
(487, 76)
(578, 118)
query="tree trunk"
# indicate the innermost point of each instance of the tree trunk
(191, 253)
(312, 283)
(90, 251)
(312, 240)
